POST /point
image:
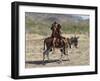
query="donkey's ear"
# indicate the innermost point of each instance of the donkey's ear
(78, 37)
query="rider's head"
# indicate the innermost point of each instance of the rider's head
(55, 22)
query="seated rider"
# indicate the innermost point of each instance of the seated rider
(56, 33)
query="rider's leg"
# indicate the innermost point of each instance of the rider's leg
(54, 40)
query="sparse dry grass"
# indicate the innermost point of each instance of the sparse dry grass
(34, 50)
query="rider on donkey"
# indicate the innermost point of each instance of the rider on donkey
(56, 33)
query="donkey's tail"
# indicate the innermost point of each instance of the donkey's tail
(44, 45)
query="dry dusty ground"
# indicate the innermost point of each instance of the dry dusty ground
(34, 52)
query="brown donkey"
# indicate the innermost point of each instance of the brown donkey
(62, 44)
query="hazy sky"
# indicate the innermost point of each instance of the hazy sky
(85, 17)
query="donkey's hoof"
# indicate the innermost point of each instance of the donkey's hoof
(65, 54)
(43, 63)
(58, 62)
(68, 60)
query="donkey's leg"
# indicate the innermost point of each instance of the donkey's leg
(48, 56)
(67, 58)
(44, 53)
(62, 52)
(61, 57)
(65, 54)
(65, 51)
(54, 41)
(44, 56)
(49, 49)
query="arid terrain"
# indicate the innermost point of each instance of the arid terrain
(34, 52)
(38, 27)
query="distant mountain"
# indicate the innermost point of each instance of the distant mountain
(53, 17)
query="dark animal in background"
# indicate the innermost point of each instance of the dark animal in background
(73, 41)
